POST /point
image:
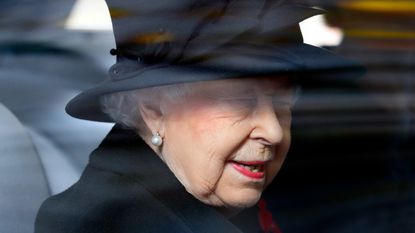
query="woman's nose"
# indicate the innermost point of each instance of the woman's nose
(265, 123)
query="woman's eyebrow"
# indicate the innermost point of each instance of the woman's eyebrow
(246, 90)
(236, 90)
(272, 91)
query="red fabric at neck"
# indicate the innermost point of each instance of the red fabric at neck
(267, 223)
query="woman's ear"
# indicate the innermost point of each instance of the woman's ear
(152, 117)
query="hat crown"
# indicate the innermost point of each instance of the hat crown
(186, 31)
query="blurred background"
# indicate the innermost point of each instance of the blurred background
(351, 167)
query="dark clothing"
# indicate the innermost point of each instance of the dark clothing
(127, 188)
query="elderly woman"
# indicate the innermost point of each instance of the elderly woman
(202, 95)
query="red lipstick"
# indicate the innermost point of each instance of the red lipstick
(251, 169)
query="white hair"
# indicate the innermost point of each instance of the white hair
(123, 107)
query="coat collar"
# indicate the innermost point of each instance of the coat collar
(125, 153)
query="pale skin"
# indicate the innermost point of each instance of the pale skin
(219, 125)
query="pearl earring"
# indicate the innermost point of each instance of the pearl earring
(156, 140)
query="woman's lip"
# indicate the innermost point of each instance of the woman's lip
(246, 172)
(252, 163)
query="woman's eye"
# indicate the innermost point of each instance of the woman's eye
(239, 103)
(284, 115)
(285, 98)
(283, 101)
(283, 111)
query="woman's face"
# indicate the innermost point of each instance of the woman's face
(228, 139)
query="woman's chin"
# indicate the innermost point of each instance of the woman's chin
(243, 201)
(236, 200)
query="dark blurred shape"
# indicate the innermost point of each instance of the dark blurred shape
(28, 15)
(22, 182)
(26, 48)
(352, 163)
(42, 65)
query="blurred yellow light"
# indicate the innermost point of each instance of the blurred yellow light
(381, 6)
(378, 34)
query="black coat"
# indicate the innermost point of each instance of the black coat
(127, 188)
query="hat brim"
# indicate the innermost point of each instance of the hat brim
(305, 60)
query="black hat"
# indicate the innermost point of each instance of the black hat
(176, 41)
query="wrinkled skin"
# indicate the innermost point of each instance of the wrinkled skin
(219, 122)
